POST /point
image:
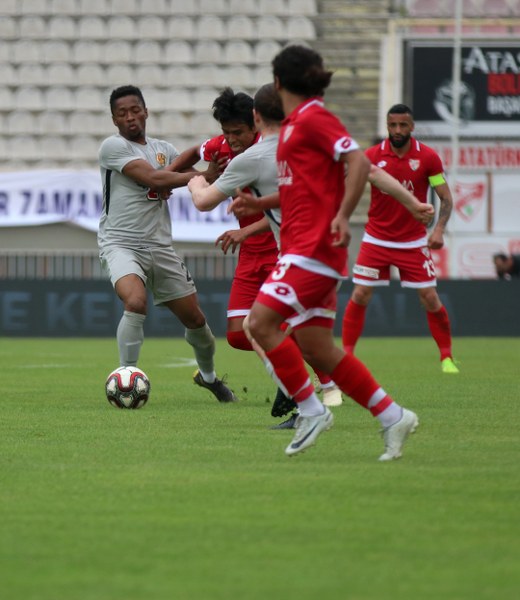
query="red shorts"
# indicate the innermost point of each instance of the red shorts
(251, 271)
(372, 268)
(301, 297)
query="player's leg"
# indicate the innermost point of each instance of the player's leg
(417, 271)
(372, 269)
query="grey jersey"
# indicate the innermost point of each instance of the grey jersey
(130, 216)
(256, 169)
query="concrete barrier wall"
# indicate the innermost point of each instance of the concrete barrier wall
(90, 308)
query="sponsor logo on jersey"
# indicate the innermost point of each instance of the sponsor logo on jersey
(366, 272)
(285, 176)
(414, 163)
(161, 159)
(381, 164)
(287, 132)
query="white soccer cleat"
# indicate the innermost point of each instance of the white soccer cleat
(332, 396)
(395, 435)
(307, 431)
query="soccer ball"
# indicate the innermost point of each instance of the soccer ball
(127, 387)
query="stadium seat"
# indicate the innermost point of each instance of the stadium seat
(90, 74)
(20, 122)
(238, 51)
(54, 122)
(87, 97)
(123, 27)
(203, 97)
(208, 51)
(9, 7)
(58, 98)
(61, 73)
(244, 7)
(265, 51)
(240, 76)
(94, 123)
(178, 51)
(9, 29)
(92, 28)
(300, 28)
(151, 27)
(63, 7)
(84, 51)
(179, 75)
(178, 99)
(261, 74)
(93, 7)
(119, 74)
(270, 27)
(117, 51)
(84, 148)
(124, 7)
(181, 7)
(203, 124)
(55, 51)
(154, 7)
(35, 73)
(25, 148)
(32, 7)
(240, 27)
(302, 7)
(213, 7)
(272, 7)
(8, 73)
(150, 75)
(147, 52)
(180, 27)
(28, 98)
(33, 28)
(62, 28)
(210, 27)
(23, 51)
(172, 124)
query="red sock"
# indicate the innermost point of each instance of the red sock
(353, 323)
(357, 381)
(238, 340)
(323, 377)
(290, 369)
(439, 324)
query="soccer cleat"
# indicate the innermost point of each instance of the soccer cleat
(448, 366)
(282, 404)
(289, 423)
(218, 388)
(307, 431)
(332, 396)
(395, 435)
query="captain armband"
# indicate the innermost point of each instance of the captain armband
(436, 180)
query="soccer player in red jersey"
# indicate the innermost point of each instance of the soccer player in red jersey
(313, 150)
(393, 237)
(258, 253)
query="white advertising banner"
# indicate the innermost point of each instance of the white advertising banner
(42, 197)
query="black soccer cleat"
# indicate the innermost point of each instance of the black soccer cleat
(290, 423)
(282, 404)
(218, 388)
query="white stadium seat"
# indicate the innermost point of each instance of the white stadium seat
(52, 122)
(151, 27)
(302, 7)
(182, 7)
(32, 74)
(180, 27)
(208, 51)
(61, 73)
(23, 51)
(213, 7)
(272, 7)
(150, 74)
(63, 7)
(117, 51)
(300, 28)
(238, 51)
(9, 28)
(59, 98)
(203, 97)
(210, 27)
(25, 148)
(244, 7)
(20, 122)
(62, 28)
(93, 7)
(92, 28)
(86, 97)
(28, 98)
(147, 52)
(241, 27)
(32, 7)
(124, 7)
(119, 74)
(8, 73)
(270, 27)
(179, 75)
(266, 50)
(55, 51)
(121, 26)
(90, 74)
(178, 51)
(84, 51)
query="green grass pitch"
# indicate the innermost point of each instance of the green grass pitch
(187, 499)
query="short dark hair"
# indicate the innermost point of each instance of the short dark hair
(229, 107)
(500, 255)
(268, 103)
(300, 71)
(125, 90)
(400, 109)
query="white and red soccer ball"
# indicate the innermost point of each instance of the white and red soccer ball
(127, 387)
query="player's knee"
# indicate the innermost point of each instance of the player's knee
(136, 304)
(238, 340)
(361, 294)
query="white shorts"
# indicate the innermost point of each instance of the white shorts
(161, 270)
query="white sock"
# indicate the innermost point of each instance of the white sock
(311, 406)
(390, 415)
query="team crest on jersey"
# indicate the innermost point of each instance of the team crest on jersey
(426, 251)
(161, 158)
(414, 163)
(287, 132)
(381, 164)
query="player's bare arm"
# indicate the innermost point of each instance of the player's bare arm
(234, 237)
(421, 211)
(186, 160)
(358, 168)
(205, 196)
(245, 204)
(436, 237)
(142, 172)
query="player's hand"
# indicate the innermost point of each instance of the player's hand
(436, 240)
(230, 239)
(340, 231)
(243, 205)
(165, 194)
(422, 212)
(196, 183)
(215, 168)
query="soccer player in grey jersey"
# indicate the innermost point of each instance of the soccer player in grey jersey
(135, 238)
